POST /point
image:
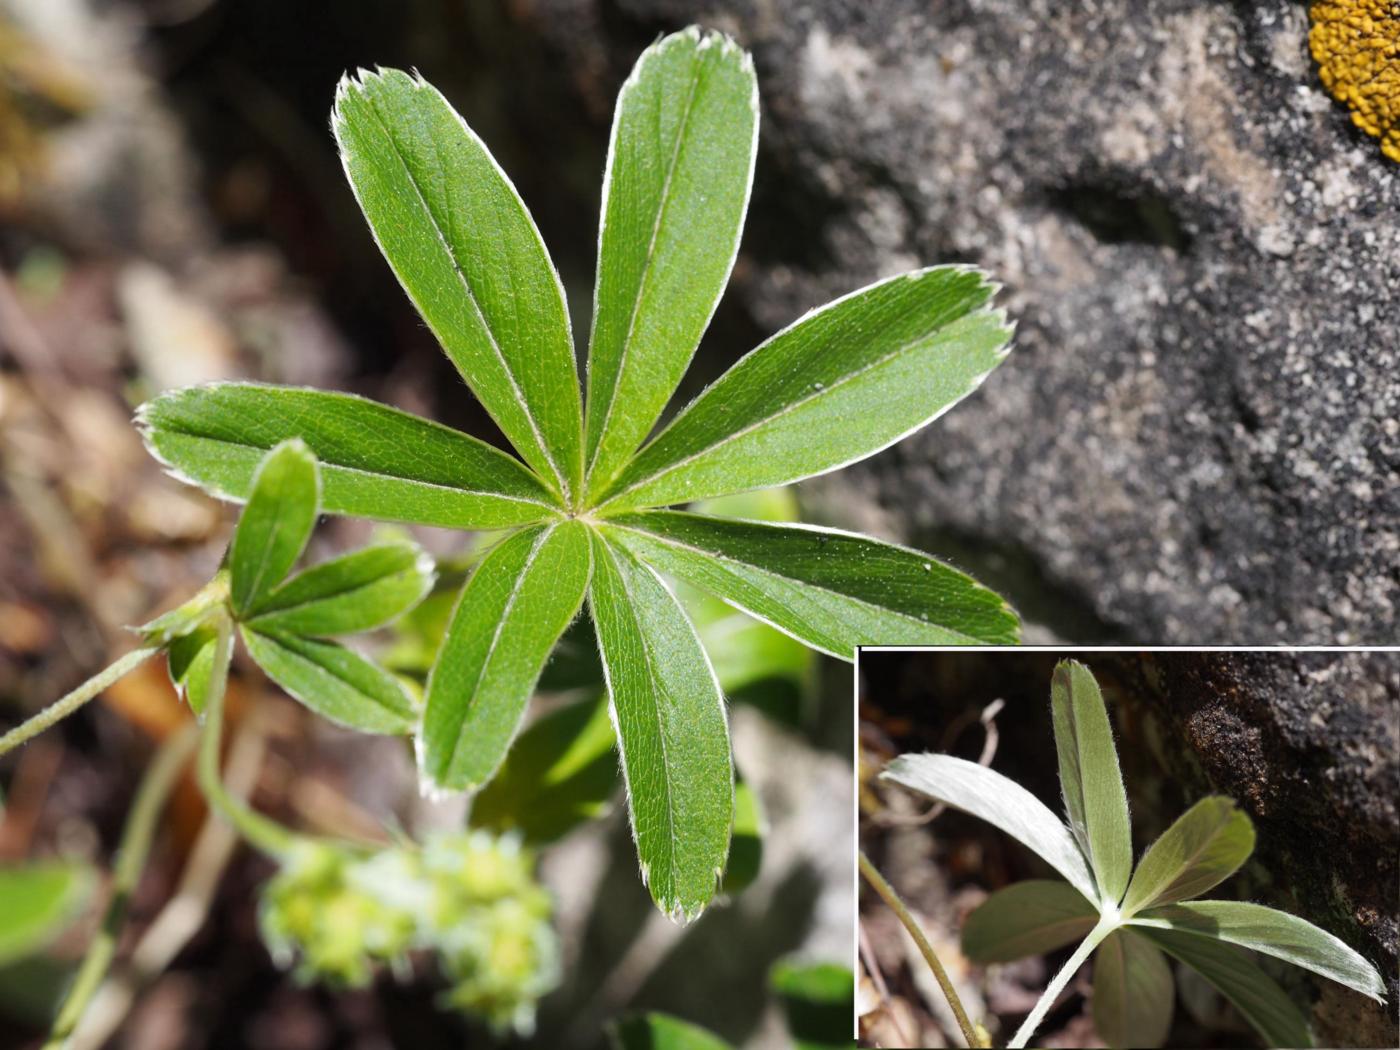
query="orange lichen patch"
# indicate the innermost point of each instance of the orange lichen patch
(1357, 46)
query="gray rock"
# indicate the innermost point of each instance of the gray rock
(1309, 744)
(1198, 438)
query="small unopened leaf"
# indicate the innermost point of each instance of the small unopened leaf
(680, 166)
(36, 902)
(512, 611)
(376, 462)
(560, 772)
(672, 732)
(1001, 802)
(840, 384)
(1272, 932)
(1133, 991)
(1089, 777)
(1257, 996)
(832, 590)
(464, 247)
(818, 1002)
(746, 845)
(1204, 847)
(660, 1032)
(205, 606)
(275, 524)
(191, 661)
(354, 592)
(1027, 918)
(334, 681)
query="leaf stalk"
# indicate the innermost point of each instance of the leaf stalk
(890, 897)
(1106, 925)
(66, 705)
(260, 831)
(133, 851)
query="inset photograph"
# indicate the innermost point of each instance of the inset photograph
(1128, 848)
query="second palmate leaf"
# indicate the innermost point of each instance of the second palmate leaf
(580, 507)
(1129, 919)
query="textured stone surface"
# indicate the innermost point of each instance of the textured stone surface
(1197, 438)
(1309, 744)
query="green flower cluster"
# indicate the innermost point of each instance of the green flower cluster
(469, 897)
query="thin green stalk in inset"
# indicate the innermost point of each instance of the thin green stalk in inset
(887, 892)
(266, 834)
(62, 708)
(1105, 926)
(131, 861)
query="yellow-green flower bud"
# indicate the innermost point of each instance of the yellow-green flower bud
(472, 898)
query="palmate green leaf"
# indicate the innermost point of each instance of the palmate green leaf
(36, 902)
(661, 1032)
(376, 462)
(275, 525)
(1133, 991)
(1027, 918)
(845, 381)
(467, 252)
(832, 590)
(335, 682)
(1272, 932)
(355, 592)
(1256, 995)
(672, 732)
(680, 168)
(999, 801)
(1203, 847)
(190, 659)
(513, 609)
(560, 772)
(1089, 777)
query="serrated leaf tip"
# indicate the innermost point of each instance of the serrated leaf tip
(349, 81)
(429, 787)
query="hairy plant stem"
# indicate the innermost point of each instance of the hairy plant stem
(260, 831)
(1106, 925)
(65, 706)
(135, 847)
(886, 891)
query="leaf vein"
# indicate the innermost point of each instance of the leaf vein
(436, 225)
(486, 657)
(609, 416)
(772, 417)
(649, 656)
(729, 560)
